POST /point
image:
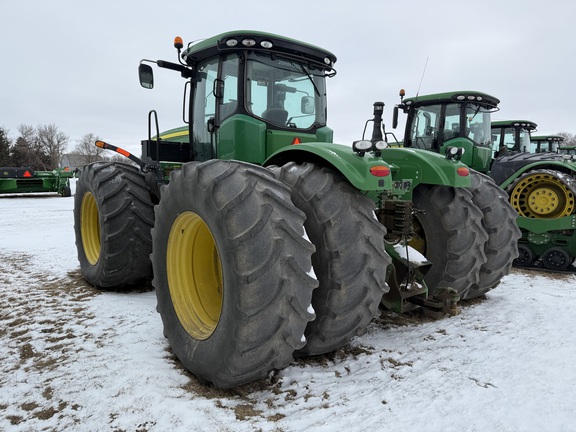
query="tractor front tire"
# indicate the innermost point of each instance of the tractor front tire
(499, 222)
(350, 260)
(113, 216)
(232, 271)
(450, 235)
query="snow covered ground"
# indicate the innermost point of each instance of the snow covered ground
(75, 359)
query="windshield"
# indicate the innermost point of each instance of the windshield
(284, 92)
(478, 127)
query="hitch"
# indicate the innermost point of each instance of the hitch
(442, 304)
(409, 266)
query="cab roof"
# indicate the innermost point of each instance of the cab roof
(454, 96)
(233, 41)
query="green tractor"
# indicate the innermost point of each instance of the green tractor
(19, 180)
(550, 144)
(265, 239)
(512, 136)
(540, 186)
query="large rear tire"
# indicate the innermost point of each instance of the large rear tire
(113, 215)
(232, 271)
(450, 235)
(350, 260)
(499, 222)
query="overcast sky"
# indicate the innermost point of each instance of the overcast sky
(73, 63)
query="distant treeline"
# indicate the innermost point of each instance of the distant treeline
(41, 148)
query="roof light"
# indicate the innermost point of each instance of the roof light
(248, 42)
(327, 60)
(231, 42)
(460, 97)
(471, 97)
(266, 44)
(380, 145)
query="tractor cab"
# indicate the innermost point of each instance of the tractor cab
(512, 136)
(247, 95)
(451, 122)
(548, 144)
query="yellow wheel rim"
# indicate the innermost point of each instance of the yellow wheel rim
(542, 196)
(194, 275)
(90, 228)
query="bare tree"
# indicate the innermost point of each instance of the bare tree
(27, 151)
(5, 159)
(52, 143)
(86, 148)
(569, 139)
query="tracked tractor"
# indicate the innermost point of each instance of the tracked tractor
(264, 239)
(540, 186)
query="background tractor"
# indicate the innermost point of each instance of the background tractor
(265, 239)
(17, 180)
(540, 186)
(512, 136)
(548, 143)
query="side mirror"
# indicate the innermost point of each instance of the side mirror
(146, 76)
(218, 89)
(395, 117)
(307, 105)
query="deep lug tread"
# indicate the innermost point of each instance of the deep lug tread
(350, 260)
(265, 265)
(126, 217)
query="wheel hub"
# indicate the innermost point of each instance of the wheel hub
(543, 200)
(90, 228)
(194, 275)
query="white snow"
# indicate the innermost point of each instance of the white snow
(75, 359)
(405, 251)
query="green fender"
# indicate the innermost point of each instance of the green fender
(340, 158)
(557, 165)
(426, 167)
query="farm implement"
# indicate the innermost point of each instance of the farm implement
(26, 180)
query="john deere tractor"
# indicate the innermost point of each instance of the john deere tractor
(266, 240)
(540, 186)
(548, 143)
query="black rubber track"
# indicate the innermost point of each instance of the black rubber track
(350, 260)
(126, 216)
(499, 222)
(266, 270)
(453, 235)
